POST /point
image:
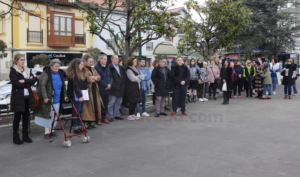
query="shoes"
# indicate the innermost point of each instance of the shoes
(163, 114)
(77, 131)
(173, 113)
(145, 114)
(82, 130)
(189, 99)
(98, 123)
(156, 115)
(119, 118)
(295, 94)
(201, 99)
(253, 93)
(234, 96)
(262, 98)
(105, 121)
(240, 96)
(16, 139)
(269, 98)
(111, 119)
(135, 117)
(204, 99)
(184, 114)
(274, 93)
(47, 136)
(194, 99)
(130, 118)
(215, 98)
(230, 97)
(54, 134)
(86, 125)
(93, 125)
(167, 109)
(290, 97)
(138, 115)
(285, 97)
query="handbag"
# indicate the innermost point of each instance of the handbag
(36, 99)
(216, 80)
(224, 87)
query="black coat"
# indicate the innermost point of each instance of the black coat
(226, 74)
(291, 81)
(106, 77)
(17, 90)
(133, 90)
(119, 82)
(179, 74)
(76, 85)
(161, 84)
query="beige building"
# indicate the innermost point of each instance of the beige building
(59, 31)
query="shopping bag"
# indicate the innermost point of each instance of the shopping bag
(224, 87)
(279, 80)
(85, 95)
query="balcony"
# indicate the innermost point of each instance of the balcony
(80, 38)
(35, 36)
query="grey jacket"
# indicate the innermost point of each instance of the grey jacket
(194, 72)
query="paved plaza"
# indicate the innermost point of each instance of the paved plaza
(248, 138)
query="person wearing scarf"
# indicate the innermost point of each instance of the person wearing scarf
(289, 74)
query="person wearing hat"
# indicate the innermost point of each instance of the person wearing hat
(38, 75)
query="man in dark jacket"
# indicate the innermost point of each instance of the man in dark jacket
(160, 78)
(117, 88)
(104, 84)
(181, 77)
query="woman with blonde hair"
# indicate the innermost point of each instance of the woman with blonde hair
(22, 99)
(76, 83)
(214, 74)
(92, 108)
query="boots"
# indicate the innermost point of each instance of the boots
(227, 100)
(16, 139)
(209, 98)
(224, 97)
(190, 98)
(26, 138)
(194, 99)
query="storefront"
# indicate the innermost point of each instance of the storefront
(65, 58)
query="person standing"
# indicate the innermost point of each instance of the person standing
(289, 74)
(92, 107)
(249, 74)
(38, 75)
(180, 76)
(154, 64)
(226, 73)
(22, 99)
(104, 84)
(51, 88)
(76, 83)
(266, 76)
(199, 63)
(145, 87)
(194, 77)
(204, 82)
(259, 85)
(295, 85)
(238, 69)
(117, 89)
(275, 67)
(214, 74)
(160, 78)
(133, 86)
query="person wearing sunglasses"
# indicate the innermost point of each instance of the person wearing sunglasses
(289, 74)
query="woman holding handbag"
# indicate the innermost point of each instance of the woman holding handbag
(226, 81)
(214, 74)
(204, 82)
(77, 83)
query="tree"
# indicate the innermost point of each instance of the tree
(150, 17)
(95, 53)
(41, 59)
(272, 29)
(221, 21)
(3, 47)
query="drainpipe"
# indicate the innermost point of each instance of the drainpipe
(12, 38)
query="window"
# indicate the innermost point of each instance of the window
(111, 42)
(149, 46)
(34, 33)
(2, 25)
(79, 34)
(62, 25)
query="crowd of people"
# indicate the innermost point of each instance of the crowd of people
(109, 86)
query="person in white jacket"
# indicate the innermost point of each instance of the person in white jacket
(275, 69)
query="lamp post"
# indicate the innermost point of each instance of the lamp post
(140, 47)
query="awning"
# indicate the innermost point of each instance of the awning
(165, 48)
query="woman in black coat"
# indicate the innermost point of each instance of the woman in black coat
(225, 75)
(133, 86)
(160, 78)
(22, 98)
(289, 74)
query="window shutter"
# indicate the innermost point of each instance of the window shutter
(34, 23)
(78, 27)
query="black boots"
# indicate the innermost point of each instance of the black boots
(194, 99)
(16, 139)
(26, 138)
(224, 97)
(227, 99)
(189, 98)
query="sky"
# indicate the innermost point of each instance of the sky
(180, 3)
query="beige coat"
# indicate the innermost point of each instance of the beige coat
(88, 113)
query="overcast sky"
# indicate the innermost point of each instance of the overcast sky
(180, 3)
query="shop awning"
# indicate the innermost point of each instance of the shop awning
(165, 48)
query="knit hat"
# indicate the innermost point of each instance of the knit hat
(266, 65)
(205, 63)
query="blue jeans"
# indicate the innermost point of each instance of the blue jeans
(287, 88)
(274, 82)
(114, 104)
(105, 98)
(79, 107)
(179, 95)
(267, 87)
(144, 99)
(295, 88)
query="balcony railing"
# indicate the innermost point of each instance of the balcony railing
(35, 36)
(80, 38)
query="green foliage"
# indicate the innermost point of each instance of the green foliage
(41, 59)
(272, 29)
(94, 53)
(147, 17)
(3, 47)
(221, 21)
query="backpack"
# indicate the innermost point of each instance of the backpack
(234, 75)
